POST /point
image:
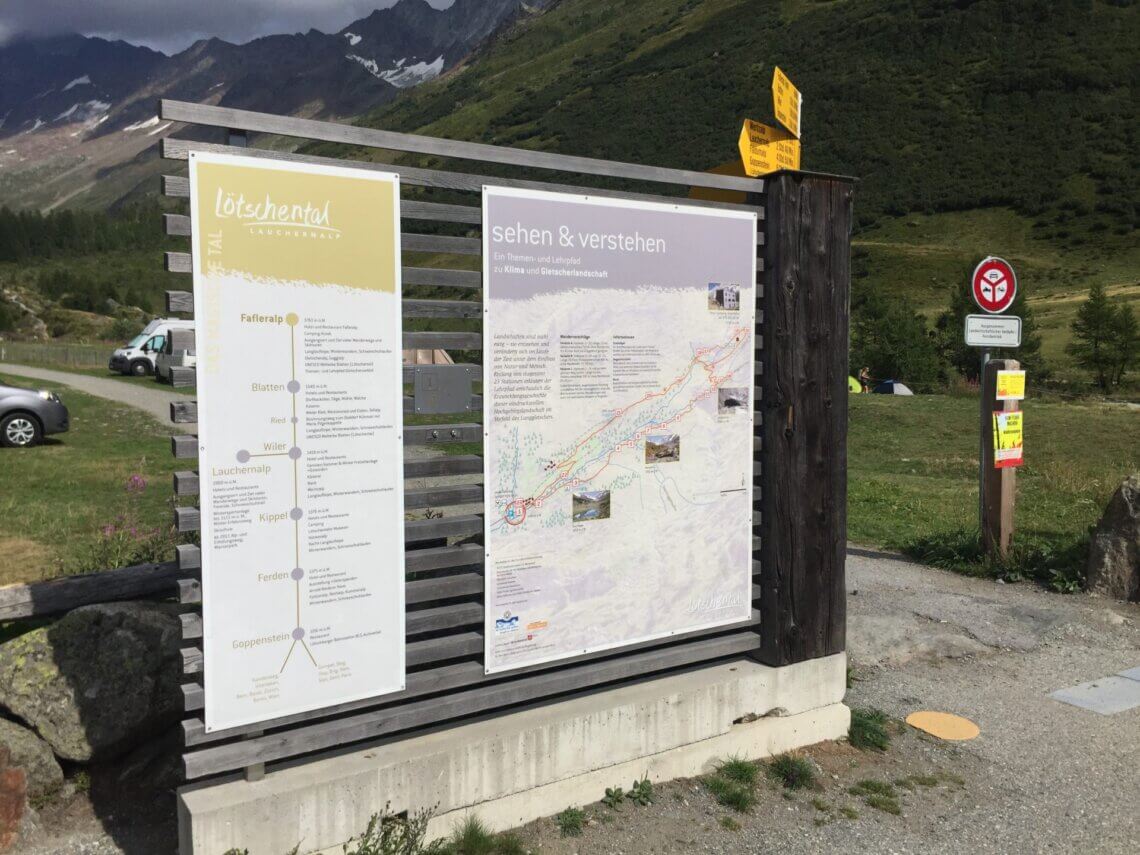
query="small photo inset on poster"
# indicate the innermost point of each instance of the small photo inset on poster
(591, 505)
(732, 399)
(723, 297)
(662, 448)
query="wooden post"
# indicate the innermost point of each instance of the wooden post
(999, 486)
(803, 460)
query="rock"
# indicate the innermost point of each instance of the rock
(32, 754)
(13, 802)
(1114, 552)
(97, 680)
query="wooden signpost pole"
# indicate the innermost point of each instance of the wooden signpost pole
(999, 485)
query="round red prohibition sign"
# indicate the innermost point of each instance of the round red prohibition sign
(994, 285)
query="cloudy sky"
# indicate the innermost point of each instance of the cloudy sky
(170, 25)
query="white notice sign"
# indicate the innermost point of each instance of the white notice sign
(993, 331)
(297, 308)
(618, 383)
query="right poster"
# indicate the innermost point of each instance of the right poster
(618, 382)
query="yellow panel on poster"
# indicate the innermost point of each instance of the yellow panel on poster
(765, 149)
(1010, 385)
(787, 102)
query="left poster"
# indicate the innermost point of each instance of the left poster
(297, 310)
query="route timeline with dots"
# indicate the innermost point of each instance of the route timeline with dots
(300, 436)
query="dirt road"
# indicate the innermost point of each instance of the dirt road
(155, 401)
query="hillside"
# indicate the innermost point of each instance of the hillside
(974, 127)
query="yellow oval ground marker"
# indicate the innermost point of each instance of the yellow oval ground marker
(943, 725)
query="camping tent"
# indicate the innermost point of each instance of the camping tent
(853, 385)
(891, 387)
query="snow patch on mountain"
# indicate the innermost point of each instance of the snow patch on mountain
(85, 80)
(353, 39)
(160, 129)
(146, 123)
(412, 75)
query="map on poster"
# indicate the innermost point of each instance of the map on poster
(297, 313)
(618, 382)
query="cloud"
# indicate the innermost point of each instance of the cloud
(172, 25)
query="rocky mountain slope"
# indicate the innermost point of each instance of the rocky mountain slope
(74, 108)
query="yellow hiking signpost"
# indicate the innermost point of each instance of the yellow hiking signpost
(765, 149)
(787, 102)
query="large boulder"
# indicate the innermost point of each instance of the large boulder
(98, 679)
(1114, 553)
(32, 754)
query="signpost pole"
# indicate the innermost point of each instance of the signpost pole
(985, 418)
(1000, 485)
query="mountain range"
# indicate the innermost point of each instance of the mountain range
(76, 108)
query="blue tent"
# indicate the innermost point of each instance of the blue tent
(891, 387)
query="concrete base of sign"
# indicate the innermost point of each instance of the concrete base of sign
(513, 768)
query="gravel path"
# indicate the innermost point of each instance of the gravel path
(154, 401)
(1041, 777)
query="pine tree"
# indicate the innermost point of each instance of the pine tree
(1124, 346)
(1093, 333)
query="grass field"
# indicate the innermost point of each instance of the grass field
(56, 500)
(913, 477)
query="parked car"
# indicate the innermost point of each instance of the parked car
(28, 415)
(139, 355)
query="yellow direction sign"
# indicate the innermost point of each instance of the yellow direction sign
(765, 149)
(787, 102)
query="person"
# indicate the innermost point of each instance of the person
(865, 378)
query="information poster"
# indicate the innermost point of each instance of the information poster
(1008, 439)
(297, 309)
(618, 382)
(1010, 386)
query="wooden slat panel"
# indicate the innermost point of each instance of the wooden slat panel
(189, 556)
(412, 210)
(183, 302)
(247, 120)
(177, 340)
(183, 378)
(469, 279)
(410, 242)
(443, 648)
(177, 262)
(191, 626)
(176, 225)
(186, 483)
(193, 698)
(185, 446)
(416, 531)
(443, 557)
(184, 412)
(430, 497)
(191, 660)
(420, 621)
(62, 595)
(445, 617)
(465, 464)
(175, 149)
(441, 434)
(187, 520)
(180, 301)
(378, 723)
(443, 340)
(189, 591)
(415, 592)
(441, 308)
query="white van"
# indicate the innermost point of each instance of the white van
(138, 356)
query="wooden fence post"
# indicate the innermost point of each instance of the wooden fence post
(803, 477)
(999, 486)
